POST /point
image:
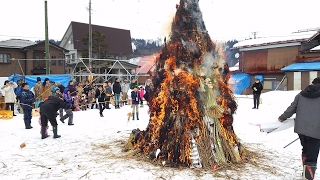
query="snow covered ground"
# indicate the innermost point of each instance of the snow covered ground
(92, 148)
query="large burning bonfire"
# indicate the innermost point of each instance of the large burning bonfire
(192, 105)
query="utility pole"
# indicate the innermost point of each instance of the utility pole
(254, 35)
(46, 38)
(90, 38)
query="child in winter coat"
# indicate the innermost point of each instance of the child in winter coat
(69, 114)
(76, 101)
(91, 97)
(100, 96)
(135, 102)
(83, 102)
(141, 95)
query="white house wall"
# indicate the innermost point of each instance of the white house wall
(313, 74)
(297, 81)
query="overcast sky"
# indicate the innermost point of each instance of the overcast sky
(149, 19)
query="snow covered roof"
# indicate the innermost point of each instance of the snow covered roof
(317, 48)
(235, 67)
(292, 38)
(16, 43)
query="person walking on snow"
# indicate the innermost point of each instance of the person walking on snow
(306, 106)
(66, 98)
(257, 88)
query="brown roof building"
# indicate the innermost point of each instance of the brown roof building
(28, 58)
(267, 57)
(117, 43)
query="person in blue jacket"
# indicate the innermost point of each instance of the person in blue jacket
(27, 100)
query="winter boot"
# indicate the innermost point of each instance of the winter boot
(132, 116)
(64, 118)
(137, 116)
(55, 132)
(303, 159)
(70, 121)
(43, 132)
(309, 170)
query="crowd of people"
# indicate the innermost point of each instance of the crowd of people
(53, 99)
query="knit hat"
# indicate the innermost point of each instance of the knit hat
(316, 81)
(38, 79)
(56, 89)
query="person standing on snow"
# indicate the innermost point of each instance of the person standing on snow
(48, 112)
(116, 91)
(257, 88)
(306, 105)
(27, 100)
(135, 95)
(108, 94)
(9, 95)
(100, 97)
(125, 88)
(37, 92)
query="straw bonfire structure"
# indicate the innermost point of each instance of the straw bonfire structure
(192, 105)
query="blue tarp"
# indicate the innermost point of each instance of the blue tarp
(260, 77)
(31, 80)
(239, 82)
(308, 66)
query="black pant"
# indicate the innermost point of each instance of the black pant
(310, 148)
(11, 106)
(27, 115)
(45, 116)
(256, 99)
(107, 102)
(101, 108)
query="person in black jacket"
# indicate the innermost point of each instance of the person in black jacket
(48, 111)
(116, 91)
(257, 88)
(100, 97)
(27, 99)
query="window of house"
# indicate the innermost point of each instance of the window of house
(72, 57)
(60, 62)
(5, 58)
(53, 61)
(37, 59)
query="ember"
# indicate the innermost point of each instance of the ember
(192, 105)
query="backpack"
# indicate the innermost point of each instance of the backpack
(18, 90)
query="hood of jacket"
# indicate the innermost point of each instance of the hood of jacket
(65, 91)
(311, 91)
